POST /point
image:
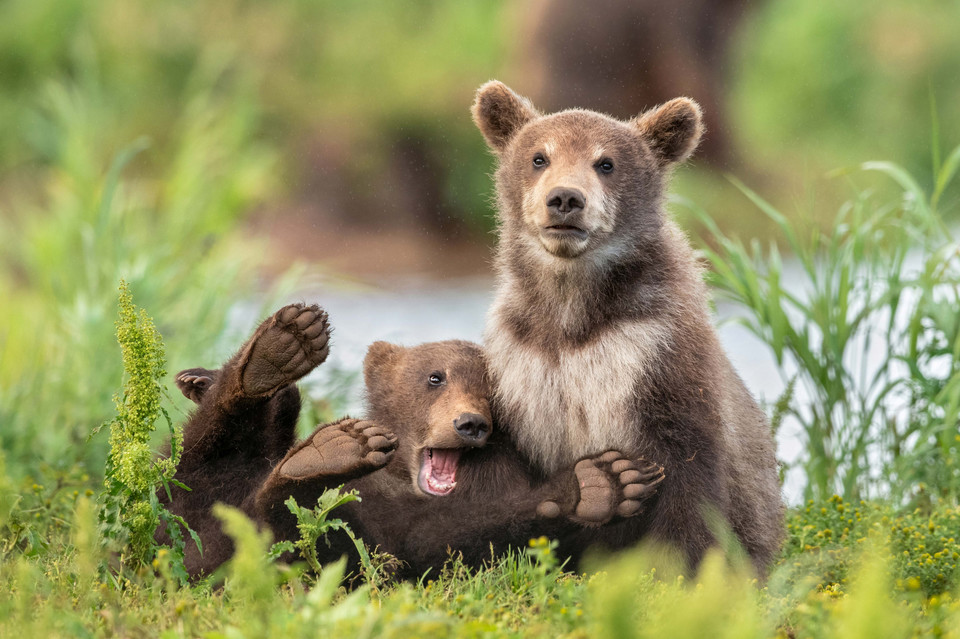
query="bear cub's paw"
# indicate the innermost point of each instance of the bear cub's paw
(194, 382)
(611, 485)
(284, 348)
(347, 447)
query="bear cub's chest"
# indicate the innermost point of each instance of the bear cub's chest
(563, 405)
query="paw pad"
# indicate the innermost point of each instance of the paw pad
(613, 485)
(285, 348)
(346, 447)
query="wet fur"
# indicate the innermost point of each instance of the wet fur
(614, 348)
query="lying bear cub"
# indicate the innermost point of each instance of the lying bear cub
(433, 473)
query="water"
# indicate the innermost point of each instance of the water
(412, 312)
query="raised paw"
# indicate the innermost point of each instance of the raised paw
(347, 447)
(284, 348)
(611, 485)
(194, 382)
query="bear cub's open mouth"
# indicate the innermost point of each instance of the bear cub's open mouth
(438, 470)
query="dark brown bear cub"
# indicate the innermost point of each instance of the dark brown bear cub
(244, 424)
(432, 471)
(600, 335)
(454, 481)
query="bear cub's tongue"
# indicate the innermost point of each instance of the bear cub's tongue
(438, 472)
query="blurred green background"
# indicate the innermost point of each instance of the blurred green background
(199, 149)
(366, 104)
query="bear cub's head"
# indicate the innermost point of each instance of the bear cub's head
(436, 398)
(578, 182)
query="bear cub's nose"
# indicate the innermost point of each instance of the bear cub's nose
(473, 428)
(562, 201)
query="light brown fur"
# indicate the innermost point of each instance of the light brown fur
(600, 335)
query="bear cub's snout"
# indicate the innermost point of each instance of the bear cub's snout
(473, 428)
(563, 202)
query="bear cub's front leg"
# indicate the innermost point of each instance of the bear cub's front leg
(294, 341)
(345, 448)
(332, 455)
(248, 408)
(607, 486)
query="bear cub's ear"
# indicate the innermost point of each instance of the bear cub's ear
(672, 130)
(380, 356)
(499, 113)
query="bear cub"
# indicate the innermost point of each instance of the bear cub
(600, 334)
(432, 471)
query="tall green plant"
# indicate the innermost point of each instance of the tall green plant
(862, 317)
(129, 509)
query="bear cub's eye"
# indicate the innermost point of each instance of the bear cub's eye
(605, 166)
(436, 378)
(539, 161)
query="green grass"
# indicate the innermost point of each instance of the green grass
(848, 570)
(165, 223)
(861, 317)
(336, 110)
(850, 567)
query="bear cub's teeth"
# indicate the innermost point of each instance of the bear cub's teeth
(438, 470)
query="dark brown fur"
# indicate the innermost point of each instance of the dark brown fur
(227, 450)
(240, 453)
(603, 339)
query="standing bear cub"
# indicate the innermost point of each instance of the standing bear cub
(600, 335)
(432, 471)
